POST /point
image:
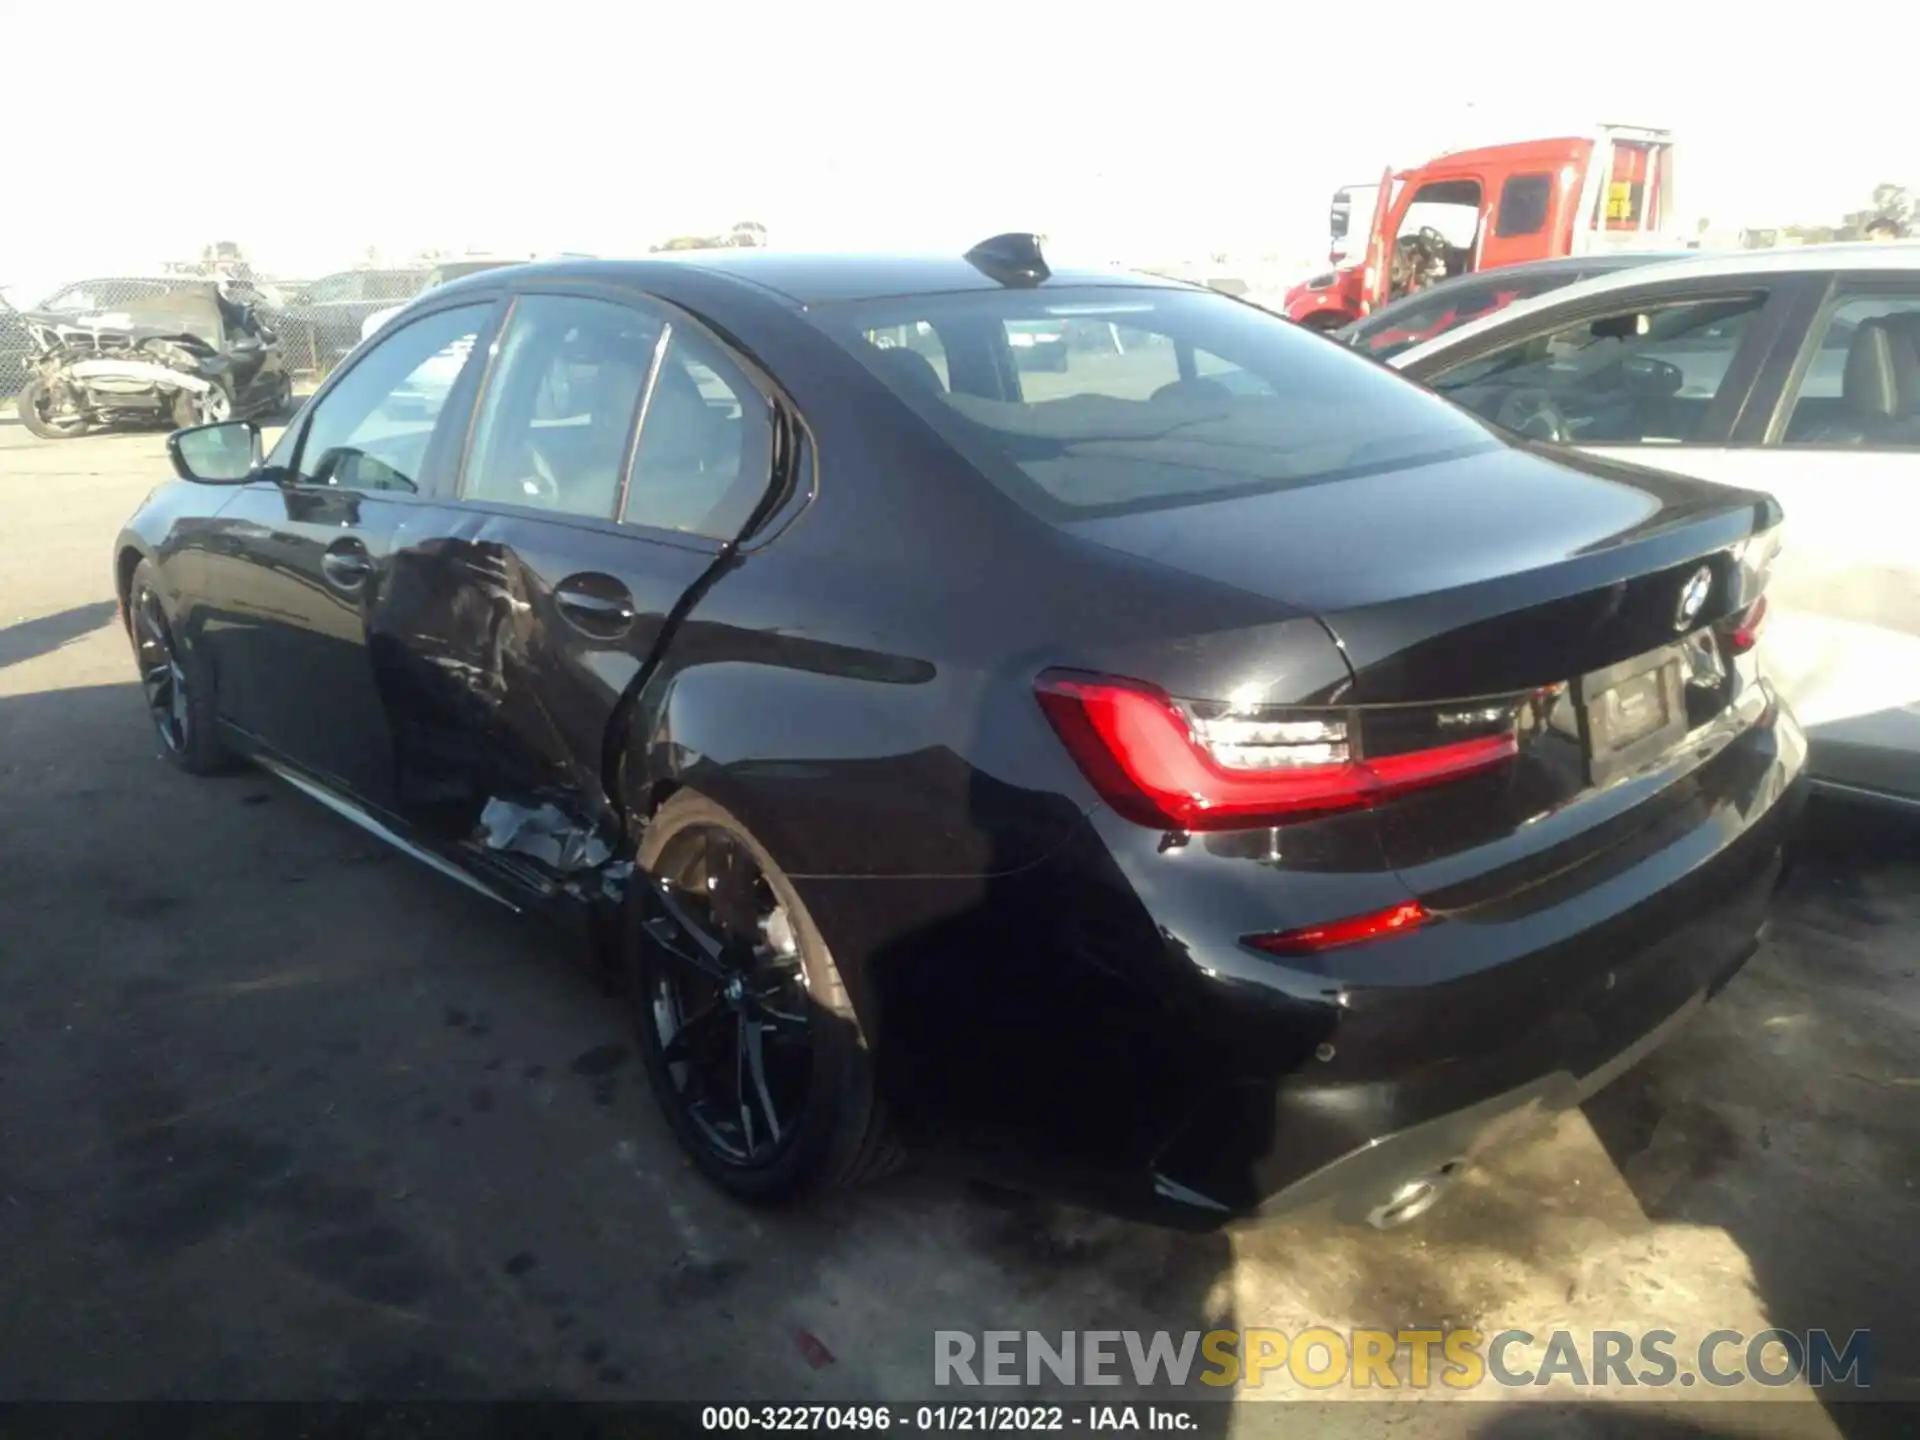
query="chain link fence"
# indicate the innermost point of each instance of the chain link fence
(316, 321)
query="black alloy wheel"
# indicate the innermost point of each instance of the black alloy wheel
(162, 676)
(179, 701)
(750, 1042)
(730, 1010)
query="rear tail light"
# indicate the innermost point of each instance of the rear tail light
(1312, 939)
(1199, 766)
(1743, 631)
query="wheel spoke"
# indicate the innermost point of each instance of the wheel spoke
(179, 699)
(681, 936)
(756, 1062)
(740, 1084)
(726, 958)
(676, 1048)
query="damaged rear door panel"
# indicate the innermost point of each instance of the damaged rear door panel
(616, 452)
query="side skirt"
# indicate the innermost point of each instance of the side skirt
(347, 810)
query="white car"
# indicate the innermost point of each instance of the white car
(1791, 371)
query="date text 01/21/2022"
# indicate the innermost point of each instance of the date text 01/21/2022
(935, 1418)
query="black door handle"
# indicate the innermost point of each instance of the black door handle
(346, 567)
(596, 607)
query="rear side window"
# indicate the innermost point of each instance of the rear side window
(1133, 398)
(1860, 387)
(556, 426)
(1523, 205)
(705, 456)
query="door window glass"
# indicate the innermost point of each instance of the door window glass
(371, 430)
(1861, 387)
(1437, 235)
(1523, 205)
(101, 295)
(705, 456)
(1645, 376)
(556, 426)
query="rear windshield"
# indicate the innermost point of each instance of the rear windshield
(1089, 401)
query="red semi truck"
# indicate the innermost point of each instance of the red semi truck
(1498, 205)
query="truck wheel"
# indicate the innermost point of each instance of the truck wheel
(35, 413)
(749, 1041)
(1324, 321)
(202, 407)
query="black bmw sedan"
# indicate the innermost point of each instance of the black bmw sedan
(1214, 776)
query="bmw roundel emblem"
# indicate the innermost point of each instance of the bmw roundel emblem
(1693, 597)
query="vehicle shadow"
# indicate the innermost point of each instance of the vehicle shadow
(50, 632)
(278, 1072)
(1788, 1116)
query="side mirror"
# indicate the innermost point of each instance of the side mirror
(224, 454)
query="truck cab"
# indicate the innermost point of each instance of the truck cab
(1499, 205)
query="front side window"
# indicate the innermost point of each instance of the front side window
(1168, 397)
(556, 425)
(92, 295)
(371, 430)
(1646, 375)
(1860, 387)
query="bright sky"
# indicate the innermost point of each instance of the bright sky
(309, 132)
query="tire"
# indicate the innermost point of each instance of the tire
(180, 703)
(838, 1136)
(207, 407)
(29, 403)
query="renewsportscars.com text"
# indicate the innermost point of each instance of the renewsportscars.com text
(1320, 1358)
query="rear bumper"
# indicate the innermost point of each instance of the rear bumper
(1357, 1186)
(1416, 1075)
(1089, 1026)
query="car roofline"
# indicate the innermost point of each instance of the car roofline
(640, 271)
(1848, 257)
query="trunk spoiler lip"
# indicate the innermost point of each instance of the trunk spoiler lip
(1708, 497)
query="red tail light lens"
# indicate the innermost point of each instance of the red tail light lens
(1744, 632)
(1312, 939)
(1158, 765)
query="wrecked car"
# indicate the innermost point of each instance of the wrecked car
(185, 353)
(1227, 779)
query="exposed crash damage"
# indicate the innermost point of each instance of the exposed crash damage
(191, 356)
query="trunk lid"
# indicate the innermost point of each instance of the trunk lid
(1504, 593)
(1474, 574)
